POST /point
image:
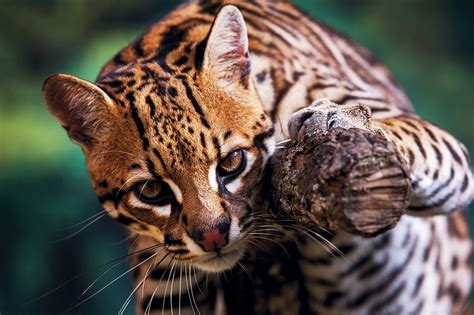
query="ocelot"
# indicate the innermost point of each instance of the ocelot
(178, 129)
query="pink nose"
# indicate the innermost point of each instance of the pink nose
(213, 239)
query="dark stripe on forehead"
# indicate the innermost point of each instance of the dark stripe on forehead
(195, 103)
(169, 42)
(203, 140)
(160, 158)
(136, 118)
(152, 168)
(217, 146)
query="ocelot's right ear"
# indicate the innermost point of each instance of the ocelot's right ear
(79, 106)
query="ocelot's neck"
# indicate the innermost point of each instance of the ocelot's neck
(283, 89)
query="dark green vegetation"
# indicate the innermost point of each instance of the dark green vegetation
(44, 185)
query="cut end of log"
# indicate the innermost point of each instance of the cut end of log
(349, 179)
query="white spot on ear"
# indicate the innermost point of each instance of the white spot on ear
(213, 177)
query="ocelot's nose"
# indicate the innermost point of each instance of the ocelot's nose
(214, 239)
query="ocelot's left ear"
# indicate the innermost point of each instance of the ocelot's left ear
(226, 54)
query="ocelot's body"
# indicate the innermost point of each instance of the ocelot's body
(194, 88)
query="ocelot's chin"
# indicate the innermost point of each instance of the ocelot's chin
(219, 262)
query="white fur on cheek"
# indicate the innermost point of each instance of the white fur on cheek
(234, 232)
(213, 177)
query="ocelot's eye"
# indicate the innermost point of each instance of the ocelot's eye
(232, 164)
(153, 192)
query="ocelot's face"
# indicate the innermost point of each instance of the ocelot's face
(175, 154)
(187, 177)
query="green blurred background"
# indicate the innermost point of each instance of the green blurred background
(44, 185)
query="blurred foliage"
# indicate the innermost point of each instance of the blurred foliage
(428, 45)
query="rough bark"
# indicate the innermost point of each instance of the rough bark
(349, 179)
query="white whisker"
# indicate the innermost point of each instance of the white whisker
(81, 229)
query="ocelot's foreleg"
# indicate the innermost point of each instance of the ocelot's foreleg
(438, 163)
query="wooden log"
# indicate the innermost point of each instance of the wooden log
(350, 179)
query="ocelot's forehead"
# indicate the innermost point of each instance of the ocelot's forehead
(178, 118)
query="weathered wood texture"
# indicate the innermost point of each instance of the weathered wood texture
(349, 179)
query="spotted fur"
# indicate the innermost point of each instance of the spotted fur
(210, 79)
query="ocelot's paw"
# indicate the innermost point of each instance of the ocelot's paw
(323, 115)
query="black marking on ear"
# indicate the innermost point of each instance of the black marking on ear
(125, 220)
(160, 158)
(136, 118)
(115, 195)
(258, 140)
(199, 54)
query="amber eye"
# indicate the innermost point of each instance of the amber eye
(153, 192)
(232, 164)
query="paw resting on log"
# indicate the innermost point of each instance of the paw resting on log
(340, 172)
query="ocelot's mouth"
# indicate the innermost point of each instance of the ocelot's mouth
(218, 262)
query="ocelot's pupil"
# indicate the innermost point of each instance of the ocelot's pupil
(232, 163)
(151, 190)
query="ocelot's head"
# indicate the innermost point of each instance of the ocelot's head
(176, 140)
